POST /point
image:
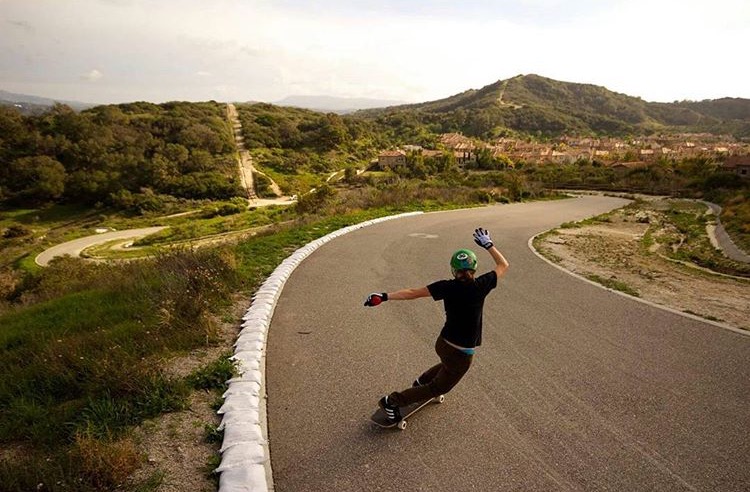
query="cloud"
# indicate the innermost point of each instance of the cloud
(203, 73)
(92, 76)
(23, 25)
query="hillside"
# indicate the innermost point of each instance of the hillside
(538, 106)
(122, 155)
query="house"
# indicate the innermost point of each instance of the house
(628, 165)
(391, 159)
(463, 147)
(433, 154)
(739, 165)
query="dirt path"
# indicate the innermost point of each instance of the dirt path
(245, 160)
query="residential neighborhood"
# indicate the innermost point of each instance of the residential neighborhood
(620, 153)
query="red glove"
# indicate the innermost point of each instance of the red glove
(375, 299)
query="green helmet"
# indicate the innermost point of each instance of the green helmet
(463, 259)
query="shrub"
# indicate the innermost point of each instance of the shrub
(103, 464)
(214, 374)
(315, 200)
(17, 230)
(263, 186)
(224, 208)
(9, 281)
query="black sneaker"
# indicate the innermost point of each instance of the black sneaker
(391, 412)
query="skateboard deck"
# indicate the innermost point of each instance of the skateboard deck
(380, 419)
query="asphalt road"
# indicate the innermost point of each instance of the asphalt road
(74, 247)
(574, 387)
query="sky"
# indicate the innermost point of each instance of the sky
(112, 51)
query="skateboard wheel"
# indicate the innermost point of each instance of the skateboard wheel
(402, 425)
(441, 398)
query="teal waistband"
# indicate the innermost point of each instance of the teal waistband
(467, 351)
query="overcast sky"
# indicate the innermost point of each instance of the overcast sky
(106, 51)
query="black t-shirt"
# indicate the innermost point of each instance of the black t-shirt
(463, 302)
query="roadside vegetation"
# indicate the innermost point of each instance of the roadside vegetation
(84, 345)
(657, 249)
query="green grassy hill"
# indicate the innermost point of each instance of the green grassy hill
(538, 106)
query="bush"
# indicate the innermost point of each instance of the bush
(17, 230)
(263, 186)
(9, 282)
(140, 203)
(103, 464)
(224, 209)
(315, 200)
(213, 375)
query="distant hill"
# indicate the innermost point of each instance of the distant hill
(531, 104)
(35, 104)
(341, 105)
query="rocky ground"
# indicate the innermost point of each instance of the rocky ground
(613, 251)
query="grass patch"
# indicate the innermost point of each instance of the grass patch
(613, 284)
(735, 217)
(690, 242)
(83, 357)
(704, 316)
(214, 375)
(599, 219)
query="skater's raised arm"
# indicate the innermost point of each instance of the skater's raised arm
(482, 238)
(501, 264)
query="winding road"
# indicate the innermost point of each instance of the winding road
(574, 388)
(76, 246)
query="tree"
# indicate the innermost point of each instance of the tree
(332, 132)
(37, 179)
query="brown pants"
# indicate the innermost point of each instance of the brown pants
(437, 380)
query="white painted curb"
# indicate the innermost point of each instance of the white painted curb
(246, 459)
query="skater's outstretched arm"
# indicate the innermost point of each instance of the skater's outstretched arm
(400, 295)
(409, 294)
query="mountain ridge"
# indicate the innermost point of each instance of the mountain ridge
(29, 101)
(532, 104)
(522, 105)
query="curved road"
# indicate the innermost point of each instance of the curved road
(574, 388)
(721, 240)
(74, 247)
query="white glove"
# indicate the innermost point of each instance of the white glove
(482, 238)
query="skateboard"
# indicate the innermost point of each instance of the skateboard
(381, 420)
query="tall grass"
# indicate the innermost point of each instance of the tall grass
(81, 359)
(692, 243)
(736, 219)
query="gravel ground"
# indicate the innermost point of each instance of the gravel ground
(612, 251)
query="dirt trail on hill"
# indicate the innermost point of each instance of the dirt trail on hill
(245, 161)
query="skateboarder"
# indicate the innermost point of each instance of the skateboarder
(463, 298)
